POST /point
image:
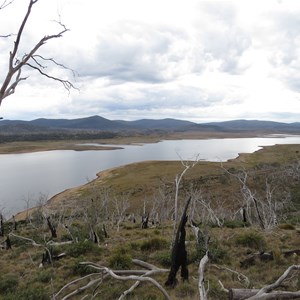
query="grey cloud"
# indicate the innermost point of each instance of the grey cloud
(284, 47)
(221, 38)
(136, 52)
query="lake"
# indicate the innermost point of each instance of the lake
(44, 174)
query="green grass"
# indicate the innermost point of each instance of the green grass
(140, 182)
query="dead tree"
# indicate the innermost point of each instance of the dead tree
(32, 59)
(145, 219)
(7, 243)
(1, 225)
(103, 273)
(179, 253)
(51, 227)
(268, 292)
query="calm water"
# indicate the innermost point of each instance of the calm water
(27, 176)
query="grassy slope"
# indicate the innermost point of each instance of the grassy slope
(140, 181)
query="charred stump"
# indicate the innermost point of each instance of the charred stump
(47, 257)
(14, 223)
(179, 253)
(7, 243)
(145, 220)
(1, 225)
(105, 231)
(52, 228)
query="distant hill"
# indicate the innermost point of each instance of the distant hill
(97, 123)
(257, 125)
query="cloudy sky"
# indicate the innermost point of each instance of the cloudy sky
(186, 59)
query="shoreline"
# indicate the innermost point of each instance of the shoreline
(21, 147)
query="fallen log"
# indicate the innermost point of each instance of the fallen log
(244, 294)
(252, 259)
(240, 294)
(291, 252)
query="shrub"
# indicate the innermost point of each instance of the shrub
(8, 283)
(121, 259)
(81, 270)
(154, 244)
(287, 226)
(82, 248)
(185, 290)
(44, 276)
(163, 258)
(235, 224)
(30, 293)
(251, 239)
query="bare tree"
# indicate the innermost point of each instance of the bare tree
(32, 59)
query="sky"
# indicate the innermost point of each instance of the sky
(194, 60)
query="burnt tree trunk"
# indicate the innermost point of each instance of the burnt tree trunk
(179, 253)
(104, 231)
(14, 223)
(7, 243)
(1, 225)
(52, 228)
(145, 220)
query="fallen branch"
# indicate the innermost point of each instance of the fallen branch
(104, 272)
(263, 293)
(267, 292)
(202, 292)
(241, 277)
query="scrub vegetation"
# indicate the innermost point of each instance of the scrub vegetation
(87, 240)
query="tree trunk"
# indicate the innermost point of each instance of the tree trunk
(52, 228)
(179, 253)
(1, 226)
(243, 294)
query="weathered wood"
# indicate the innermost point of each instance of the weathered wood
(52, 228)
(244, 294)
(252, 259)
(179, 253)
(240, 294)
(201, 269)
(291, 252)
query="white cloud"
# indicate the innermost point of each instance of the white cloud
(198, 60)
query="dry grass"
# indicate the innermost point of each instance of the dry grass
(141, 181)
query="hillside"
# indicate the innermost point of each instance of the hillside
(95, 126)
(98, 229)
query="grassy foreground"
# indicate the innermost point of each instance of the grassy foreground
(139, 186)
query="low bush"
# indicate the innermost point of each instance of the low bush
(251, 239)
(81, 248)
(154, 244)
(185, 290)
(44, 276)
(8, 283)
(163, 258)
(286, 226)
(121, 259)
(235, 224)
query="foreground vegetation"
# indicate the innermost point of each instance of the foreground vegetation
(100, 224)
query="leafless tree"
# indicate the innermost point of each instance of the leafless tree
(265, 203)
(32, 59)
(121, 205)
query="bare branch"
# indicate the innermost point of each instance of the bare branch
(262, 294)
(6, 3)
(141, 275)
(13, 76)
(76, 281)
(241, 277)
(201, 269)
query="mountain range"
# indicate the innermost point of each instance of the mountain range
(97, 123)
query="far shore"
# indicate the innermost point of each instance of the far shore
(19, 147)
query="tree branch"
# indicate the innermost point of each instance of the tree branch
(263, 293)
(16, 65)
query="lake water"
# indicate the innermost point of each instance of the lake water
(30, 175)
